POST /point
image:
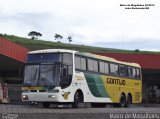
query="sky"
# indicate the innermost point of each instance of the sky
(100, 23)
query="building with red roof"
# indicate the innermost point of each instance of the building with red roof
(12, 58)
(147, 61)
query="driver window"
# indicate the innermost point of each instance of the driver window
(66, 76)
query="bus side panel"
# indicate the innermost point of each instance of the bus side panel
(96, 85)
(92, 87)
(100, 87)
(115, 88)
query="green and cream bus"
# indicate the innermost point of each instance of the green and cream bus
(71, 77)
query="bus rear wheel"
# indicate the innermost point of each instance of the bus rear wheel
(46, 104)
(129, 100)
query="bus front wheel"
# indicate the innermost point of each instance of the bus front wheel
(77, 99)
(129, 100)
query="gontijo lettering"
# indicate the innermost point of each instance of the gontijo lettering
(116, 81)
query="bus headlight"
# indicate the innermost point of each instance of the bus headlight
(51, 96)
(25, 97)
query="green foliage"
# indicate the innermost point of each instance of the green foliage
(58, 36)
(40, 44)
(34, 35)
(137, 50)
(69, 39)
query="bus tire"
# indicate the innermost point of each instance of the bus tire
(129, 100)
(78, 97)
(46, 104)
(122, 102)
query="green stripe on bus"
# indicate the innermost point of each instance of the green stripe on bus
(96, 85)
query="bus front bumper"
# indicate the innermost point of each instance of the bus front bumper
(42, 97)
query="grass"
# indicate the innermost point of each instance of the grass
(41, 44)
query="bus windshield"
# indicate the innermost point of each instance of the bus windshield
(48, 69)
(42, 75)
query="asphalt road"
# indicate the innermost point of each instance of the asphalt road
(8, 111)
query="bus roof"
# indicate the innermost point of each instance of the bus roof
(105, 58)
(51, 51)
(85, 54)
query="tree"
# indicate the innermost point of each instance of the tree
(39, 34)
(137, 50)
(34, 35)
(69, 39)
(58, 36)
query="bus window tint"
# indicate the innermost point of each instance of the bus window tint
(83, 63)
(106, 70)
(67, 58)
(103, 67)
(114, 69)
(92, 65)
(138, 73)
(123, 70)
(77, 63)
(95, 66)
(131, 72)
(80, 63)
(134, 72)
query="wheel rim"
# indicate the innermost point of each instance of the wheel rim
(77, 97)
(129, 100)
(123, 101)
(76, 100)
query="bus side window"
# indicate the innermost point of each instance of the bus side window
(92, 65)
(67, 58)
(103, 67)
(83, 63)
(80, 63)
(114, 69)
(131, 72)
(137, 73)
(134, 72)
(77, 62)
(95, 69)
(123, 70)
